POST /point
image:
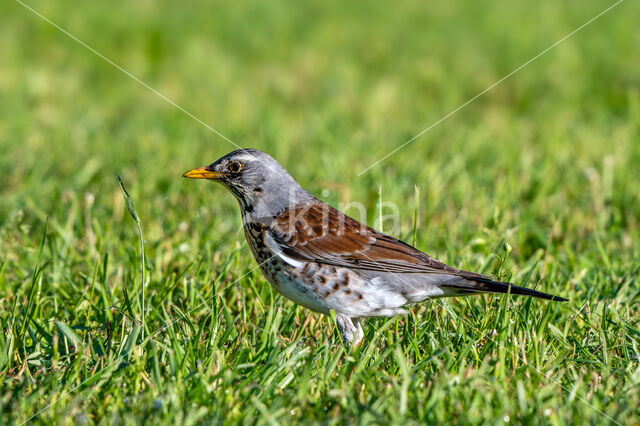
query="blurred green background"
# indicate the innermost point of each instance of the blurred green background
(536, 181)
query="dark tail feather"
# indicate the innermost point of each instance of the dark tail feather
(485, 285)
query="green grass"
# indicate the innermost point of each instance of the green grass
(537, 181)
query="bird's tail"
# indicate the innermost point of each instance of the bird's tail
(486, 285)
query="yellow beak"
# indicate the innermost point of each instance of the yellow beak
(203, 173)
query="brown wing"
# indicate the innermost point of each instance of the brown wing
(317, 232)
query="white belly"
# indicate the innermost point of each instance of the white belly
(322, 288)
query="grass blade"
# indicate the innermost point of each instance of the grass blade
(134, 214)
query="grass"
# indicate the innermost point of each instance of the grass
(536, 182)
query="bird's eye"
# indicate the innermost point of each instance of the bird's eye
(235, 167)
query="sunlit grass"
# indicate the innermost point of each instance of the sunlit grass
(535, 182)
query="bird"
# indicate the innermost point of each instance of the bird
(324, 260)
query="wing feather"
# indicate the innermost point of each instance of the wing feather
(317, 232)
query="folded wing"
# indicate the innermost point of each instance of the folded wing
(319, 233)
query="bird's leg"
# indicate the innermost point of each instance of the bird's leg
(351, 333)
(359, 333)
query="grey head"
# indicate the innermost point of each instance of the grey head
(261, 185)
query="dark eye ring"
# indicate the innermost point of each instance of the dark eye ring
(235, 167)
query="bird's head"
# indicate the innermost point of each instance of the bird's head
(260, 184)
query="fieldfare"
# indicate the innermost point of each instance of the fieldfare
(324, 260)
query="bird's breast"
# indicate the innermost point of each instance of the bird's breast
(317, 286)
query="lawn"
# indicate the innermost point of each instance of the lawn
(537, 181)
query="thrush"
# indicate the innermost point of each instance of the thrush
(324, 260)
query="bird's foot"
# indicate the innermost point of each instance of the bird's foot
(351, 330)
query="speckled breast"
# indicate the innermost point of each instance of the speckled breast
(315, 286)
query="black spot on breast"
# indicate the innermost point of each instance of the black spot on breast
(336, 286)
(360, 296)
(257, 189)
(248, 208)
(347, 292)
